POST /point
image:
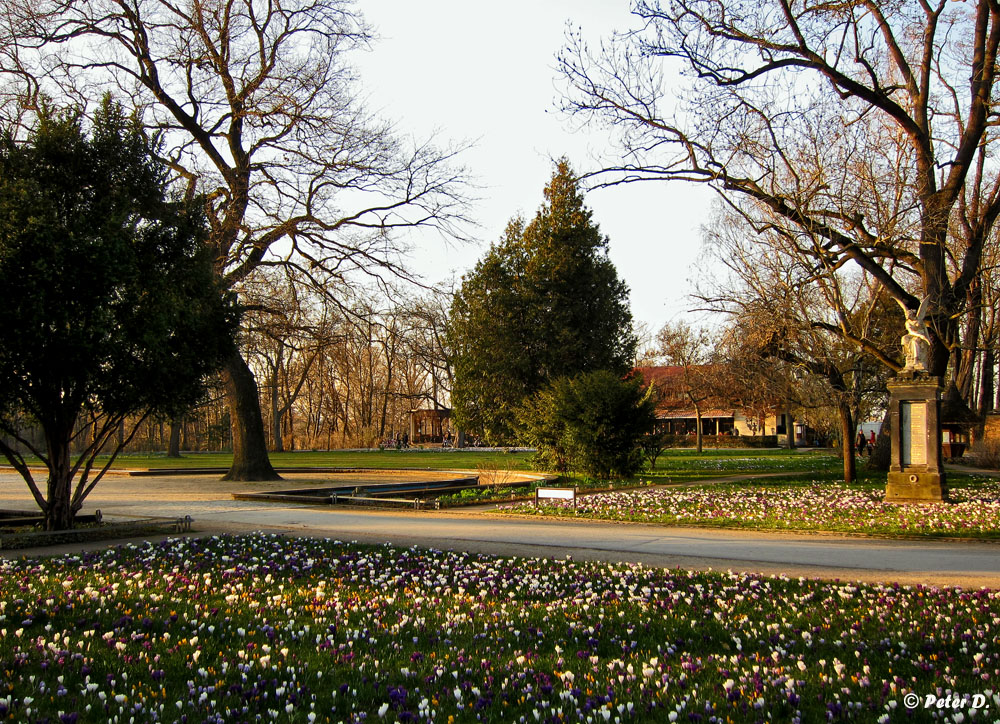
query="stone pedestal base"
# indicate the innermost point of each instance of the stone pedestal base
(916, 487)
(915, 471)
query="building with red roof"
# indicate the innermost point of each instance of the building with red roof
(677, 415)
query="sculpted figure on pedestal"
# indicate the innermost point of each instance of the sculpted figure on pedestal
(916, 342)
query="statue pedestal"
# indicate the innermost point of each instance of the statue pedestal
(915, 471)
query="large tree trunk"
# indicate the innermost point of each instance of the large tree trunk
(789, 426)
(988, 382)
(250, 461)
(847, 441)
(967, 356)
(987, 388)
(174, 443)
(278, 444)
(58, 510)
(697, 417)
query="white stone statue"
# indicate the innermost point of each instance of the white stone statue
(916, 342)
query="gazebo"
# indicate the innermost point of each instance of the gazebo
(430, 425)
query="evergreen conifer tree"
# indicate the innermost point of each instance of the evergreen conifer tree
(545, 302)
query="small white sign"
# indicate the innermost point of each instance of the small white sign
(560, 493)
(555, 494)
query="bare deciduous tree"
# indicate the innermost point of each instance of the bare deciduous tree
(427, 345)
(867, 125)
(286, 333)
(259, 109)
(830, 323)
(692, 350)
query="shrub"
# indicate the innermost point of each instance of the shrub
(592, 423)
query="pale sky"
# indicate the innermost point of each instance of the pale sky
(485, 73)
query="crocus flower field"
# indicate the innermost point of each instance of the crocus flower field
(973, 513)
(264, 628)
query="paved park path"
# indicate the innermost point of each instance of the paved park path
(208, 501)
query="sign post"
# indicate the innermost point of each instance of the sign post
(556, 494)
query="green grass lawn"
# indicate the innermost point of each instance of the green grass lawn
(679, 466)
(672, 466)
(382, 459)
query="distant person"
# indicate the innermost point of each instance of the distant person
(862, 443)
(871, 440)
